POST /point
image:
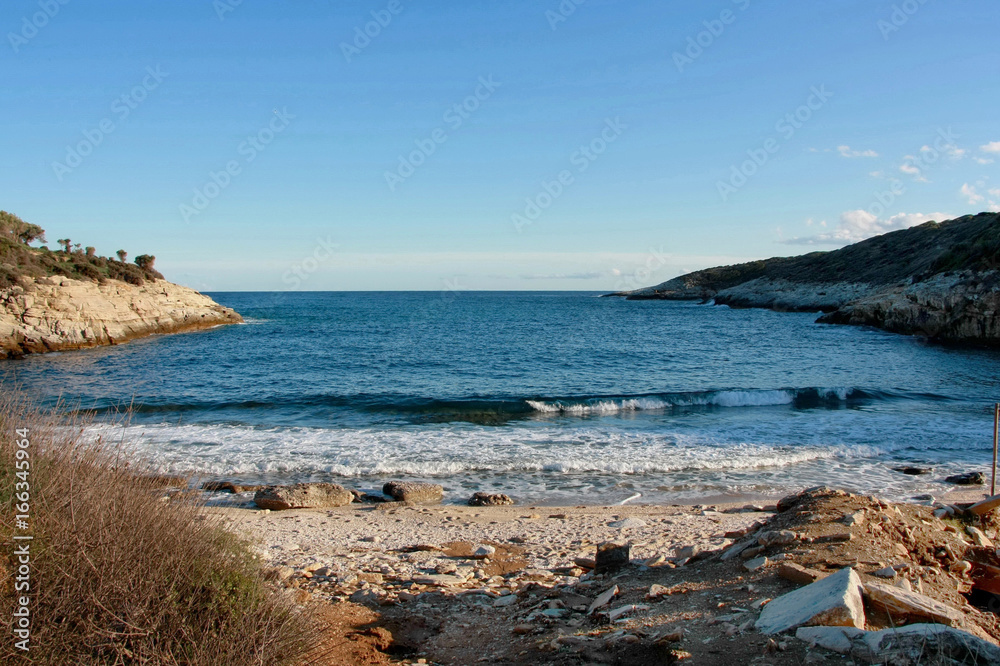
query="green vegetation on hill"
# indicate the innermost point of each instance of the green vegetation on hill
(971, 242)
(19, 259)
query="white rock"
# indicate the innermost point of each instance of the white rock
(603, 600)
(978, 537)
(887, 572)
(756, 563)
(837, 639)
(484, 551)
(832, 601)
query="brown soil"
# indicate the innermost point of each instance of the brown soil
(705, 616)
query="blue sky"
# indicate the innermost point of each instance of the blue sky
(486, 145)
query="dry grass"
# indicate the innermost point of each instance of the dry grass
(120, 576)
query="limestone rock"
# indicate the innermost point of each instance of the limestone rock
(912, 644)
(978, 537)
(626, 523)
(419, 493)
(490, 499)
(227, 487)
(833, 601)
(66, 314)
(797, 573)
(302, 496)
(911, 606)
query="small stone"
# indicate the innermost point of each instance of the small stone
(797, 573)
(978, 536)
(584, 562)
(967, 479)
(756, 564)
(484, 551)
(523, 629)
(776, 538)
(611, 557)
(854, 519)
(419, 493)
(603, 600)
(887, 572)
(490, 499)
(656, 591)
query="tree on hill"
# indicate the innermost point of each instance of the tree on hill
(91, 251)
(66, 243)
(122, 255)
(16, 229)
(145, 261)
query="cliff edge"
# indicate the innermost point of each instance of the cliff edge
(47, 314)
(939, 280)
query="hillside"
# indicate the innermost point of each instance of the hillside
(72, 298)
(938, 280)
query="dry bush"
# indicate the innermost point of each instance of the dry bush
(120, 576)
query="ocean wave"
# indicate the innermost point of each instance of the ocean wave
(484, 408)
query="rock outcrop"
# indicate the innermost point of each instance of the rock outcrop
(953, 307)
(939, 280)
(55, 313)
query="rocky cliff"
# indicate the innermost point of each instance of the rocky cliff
(43, 314)
(938, 280)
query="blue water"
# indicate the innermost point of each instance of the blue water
(549, 397)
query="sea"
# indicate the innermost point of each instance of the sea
(550, 397)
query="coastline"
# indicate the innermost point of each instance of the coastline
(42, 315)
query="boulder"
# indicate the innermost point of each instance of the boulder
(967, 479)
(490, 499)
(227, 487)
(419, 493)
(902, 605)
(302, 496)
(611, 557)
(833, 601)
(912, 644)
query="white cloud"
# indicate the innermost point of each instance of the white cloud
(970, 193)
(857, 225)
(983, 160)
(992, 147)
(845, 151)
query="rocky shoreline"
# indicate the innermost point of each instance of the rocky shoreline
(716, 584)
(955, 307)
(48, 314)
